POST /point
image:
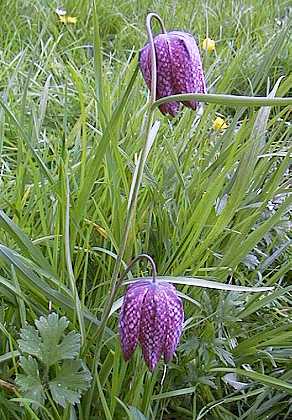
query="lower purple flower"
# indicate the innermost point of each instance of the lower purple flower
(152, 314)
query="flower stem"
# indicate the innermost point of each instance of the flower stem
(153, 55)
(116, 281)
(149, 17)
(137, 182)
(139, 257)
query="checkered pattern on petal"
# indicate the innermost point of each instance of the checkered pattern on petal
(145, 64)
(187, 69)
(130, 316)
(175, 321)
(154, 318)
(164, 74)
(179, 68)
(152, 314)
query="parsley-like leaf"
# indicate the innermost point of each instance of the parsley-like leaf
(48, 342)
(30, 382)
(72, 378)
(30, 341)
(53, 351)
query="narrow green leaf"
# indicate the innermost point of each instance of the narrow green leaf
(39, 288)
(94, 162)
(230, 100)
(176, 393)
(259, 377)
(262, 302)
(27, 246)
(8, 356)
(74, 289)
(27, 142)
(201, 282)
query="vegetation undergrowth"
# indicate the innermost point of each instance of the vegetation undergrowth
(214, 208)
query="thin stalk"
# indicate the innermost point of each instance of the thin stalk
(153, 55)
(149, 18)
(132, 206)
(128, 223)
(139, 257)
(116, 281)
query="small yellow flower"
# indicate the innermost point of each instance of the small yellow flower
(68, 19)
(209, 45)
(219, 124)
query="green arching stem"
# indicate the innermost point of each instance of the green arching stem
(148, 23)
(129, 217)
(153, 54)
(132, 205)
(140, 257)
(225, 100)
(116, 281)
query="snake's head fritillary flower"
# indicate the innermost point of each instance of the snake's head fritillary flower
(179, 68)
(152, 315)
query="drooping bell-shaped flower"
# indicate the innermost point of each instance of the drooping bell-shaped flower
(179, 68)
(151, 314)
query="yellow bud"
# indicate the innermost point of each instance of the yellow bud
(219, 124)
(209, 44)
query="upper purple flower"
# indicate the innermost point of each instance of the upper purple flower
(152, 314)
(179, 68)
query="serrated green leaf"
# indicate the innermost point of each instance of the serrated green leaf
(63, 395)
(70, 346)
(51, 328)
(73, 378)
(67, 349)
(29, 365)
(51, 345)
(30, 342)
(29, 382)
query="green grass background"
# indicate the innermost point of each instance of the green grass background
(212, 204)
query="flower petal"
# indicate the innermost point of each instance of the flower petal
(164, 72)
(175, 321)
(153, 325)
(129, 324)
(187, 69)
(145, 65)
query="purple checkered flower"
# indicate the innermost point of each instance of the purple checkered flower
(152, 314)
(179, 68)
